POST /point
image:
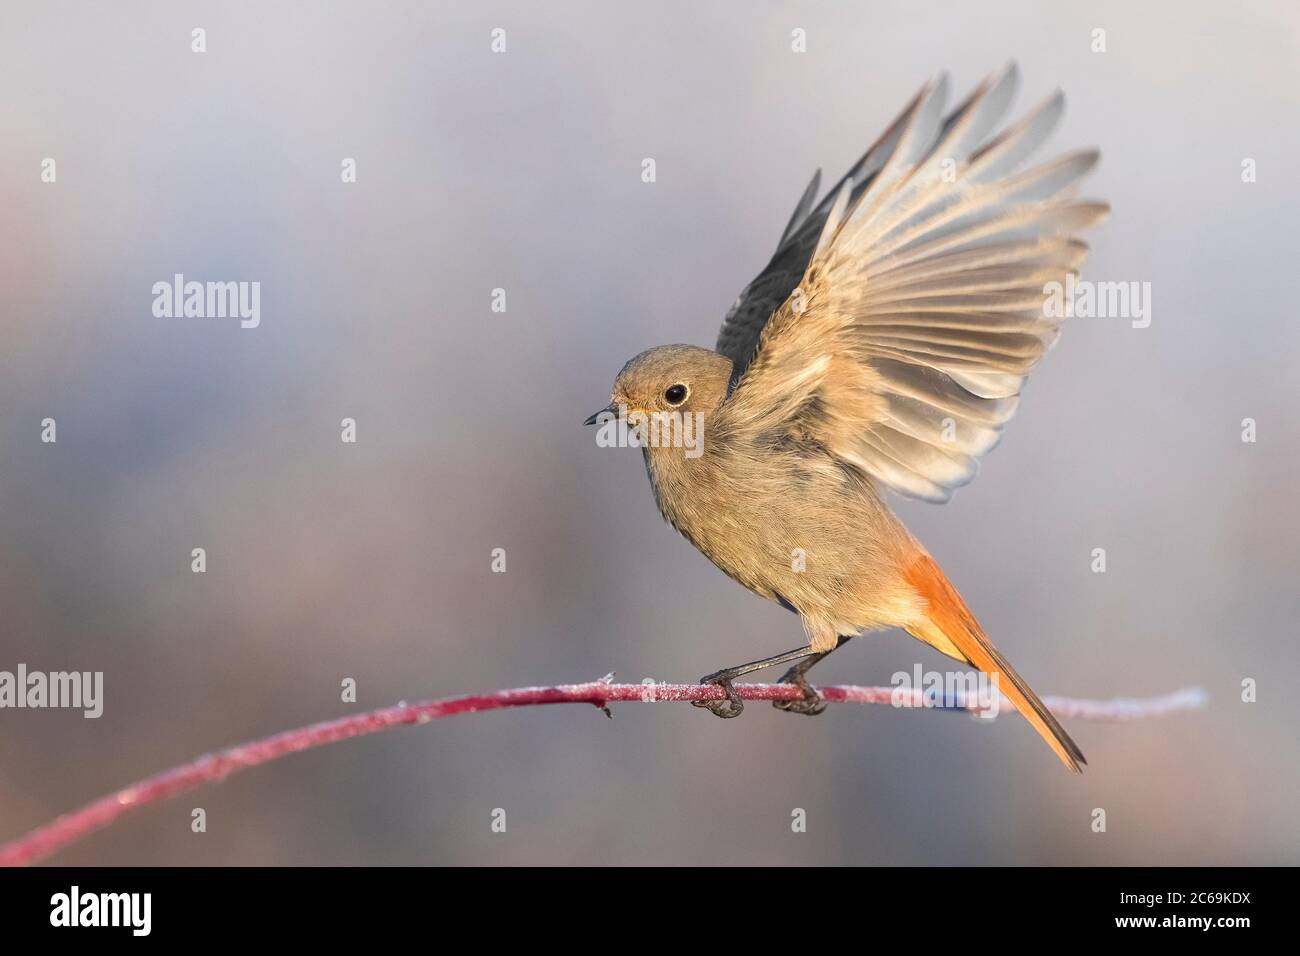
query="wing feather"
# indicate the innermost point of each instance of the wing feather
(904, 347)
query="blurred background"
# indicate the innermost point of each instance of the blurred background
(371, 561)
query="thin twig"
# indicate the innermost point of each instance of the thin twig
(210, 768)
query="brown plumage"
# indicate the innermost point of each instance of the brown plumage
(884, 347)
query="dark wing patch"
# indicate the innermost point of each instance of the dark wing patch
(741, 329)
(743, 326)
(738, 339)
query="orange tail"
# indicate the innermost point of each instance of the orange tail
(951, 628)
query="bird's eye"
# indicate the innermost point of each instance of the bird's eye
(675, 395)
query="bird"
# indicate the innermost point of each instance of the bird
(881, 351)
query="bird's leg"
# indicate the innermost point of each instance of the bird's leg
(733, 705)
(811, 704)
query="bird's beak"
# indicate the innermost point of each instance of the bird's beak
(611, 409)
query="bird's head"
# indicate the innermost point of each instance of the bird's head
(671, 378)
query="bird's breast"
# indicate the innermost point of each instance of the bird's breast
(793, 530)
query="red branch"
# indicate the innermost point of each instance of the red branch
(210, 768)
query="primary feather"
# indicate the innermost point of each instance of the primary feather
(918, 309)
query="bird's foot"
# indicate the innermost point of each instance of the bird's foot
(731, 707)
(810, 704)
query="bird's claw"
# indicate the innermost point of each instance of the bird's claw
(810, 704)
(731, 706)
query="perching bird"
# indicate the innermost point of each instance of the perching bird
(882, 349)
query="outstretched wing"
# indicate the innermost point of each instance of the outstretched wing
(741, 329)
(903, 348)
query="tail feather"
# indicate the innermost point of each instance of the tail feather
(950, 627)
